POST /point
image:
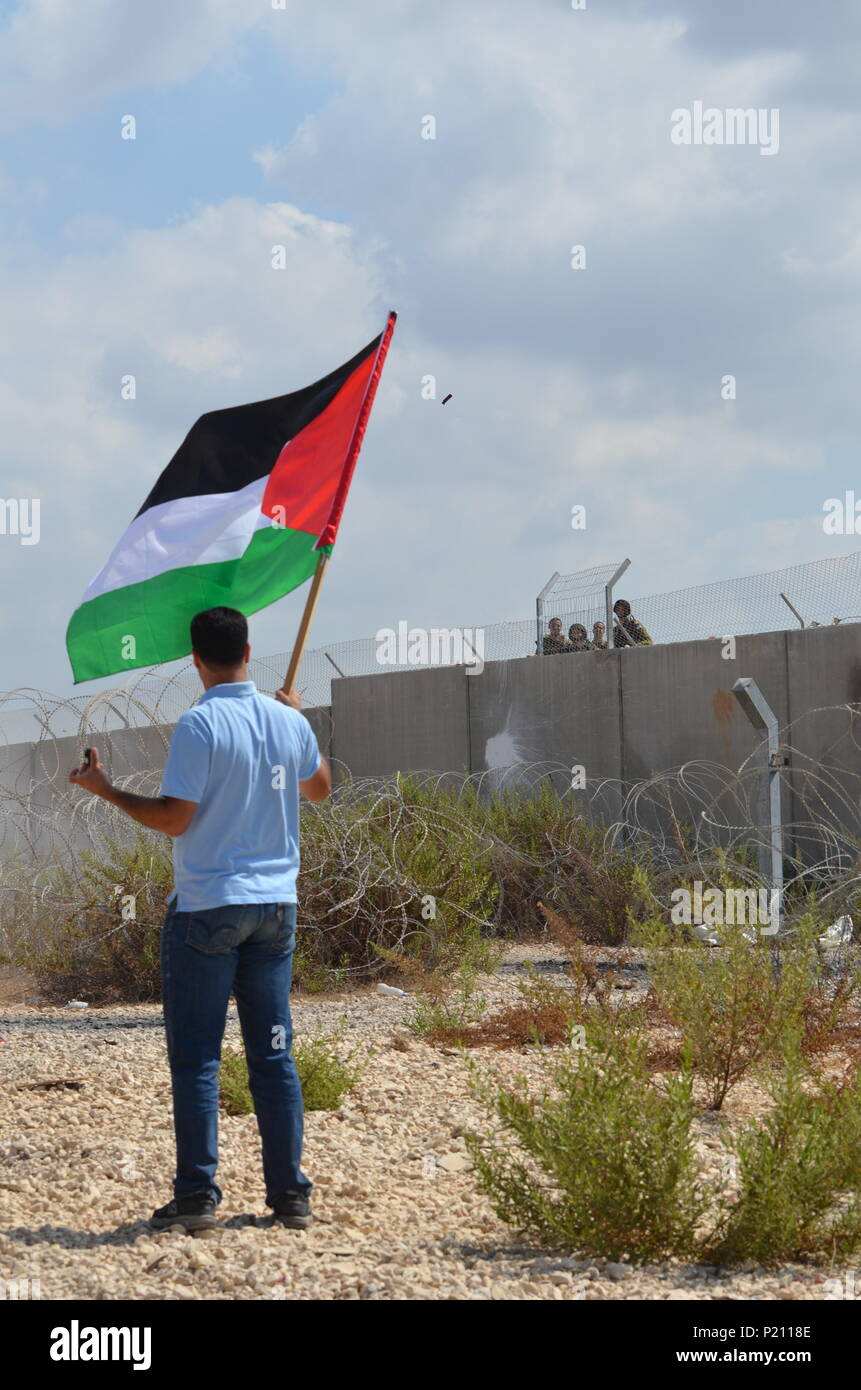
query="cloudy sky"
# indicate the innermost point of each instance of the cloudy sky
(599, 386)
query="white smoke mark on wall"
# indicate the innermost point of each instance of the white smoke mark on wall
(503, 750)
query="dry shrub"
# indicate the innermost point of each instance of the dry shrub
(589, 981)
(544, 1017)
(544, 851)
(397, 873)
(831, 1015)
(94, 931)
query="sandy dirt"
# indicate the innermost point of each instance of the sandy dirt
(398, 1211)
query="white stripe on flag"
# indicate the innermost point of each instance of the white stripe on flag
(187, 531)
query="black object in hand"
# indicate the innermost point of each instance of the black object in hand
(87, 752)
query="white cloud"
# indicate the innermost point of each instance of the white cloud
(548, 128)
(197, 314)
(598, 387)
(57, 58)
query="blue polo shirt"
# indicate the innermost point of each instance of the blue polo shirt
(241, 756)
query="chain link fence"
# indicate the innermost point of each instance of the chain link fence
(820, 592)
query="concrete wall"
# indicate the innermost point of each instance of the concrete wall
(622, 715)
(34, 783)
(627, 714)
(677, 702)
(320, 719)
(824, 669)
(407, 720)
(531, 715)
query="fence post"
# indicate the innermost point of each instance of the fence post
(792, 608)
(763, 717)
(539, 613)
(608, 601)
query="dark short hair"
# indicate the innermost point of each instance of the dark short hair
(622, 603)
(219, 636)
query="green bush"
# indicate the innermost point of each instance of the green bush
(325, 1076)
(312, 976)
(731, 1007)
(235, 1093)
(447, 1002)
(800, 1173)
(600, 1159)
(602, 1162)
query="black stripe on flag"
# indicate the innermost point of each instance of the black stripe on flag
(225, 450)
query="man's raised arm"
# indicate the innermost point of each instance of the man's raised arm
(319, 785)
(166, 813)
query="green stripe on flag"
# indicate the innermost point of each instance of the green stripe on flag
(147, 623)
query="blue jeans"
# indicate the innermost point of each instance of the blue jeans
(246, 950)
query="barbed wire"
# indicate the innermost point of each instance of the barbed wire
(380, 848)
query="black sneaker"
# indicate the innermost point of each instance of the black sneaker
(195, 1212)
(293, 1211)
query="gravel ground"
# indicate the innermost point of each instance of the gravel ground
(398, 1213)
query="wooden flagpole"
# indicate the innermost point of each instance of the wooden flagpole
(305, 625)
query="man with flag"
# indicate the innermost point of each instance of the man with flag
(230, 800)
(247, 509)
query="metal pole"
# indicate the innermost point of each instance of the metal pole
(608, 603)
(539, 612)
(334, 663)
(792, 609)
(763, 717)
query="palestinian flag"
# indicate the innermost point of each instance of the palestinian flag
(238, 518)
